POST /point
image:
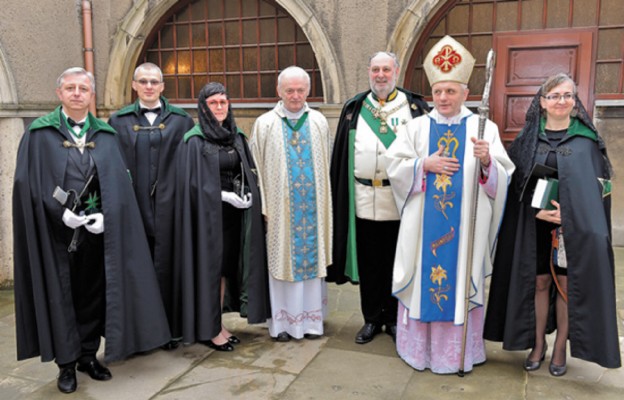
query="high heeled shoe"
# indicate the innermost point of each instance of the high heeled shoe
(535, 365)
(219, 347)
(557, 370)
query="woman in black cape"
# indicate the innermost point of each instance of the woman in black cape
(527, 293)
(219, 227)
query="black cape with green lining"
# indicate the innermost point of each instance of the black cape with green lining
(586, 221)
(45, 320)
(199, 242)
(339, 174)
(172, 124)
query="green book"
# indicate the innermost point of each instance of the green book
(546, 189)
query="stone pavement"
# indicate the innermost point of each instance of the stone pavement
(333, 367)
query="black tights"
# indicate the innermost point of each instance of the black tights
(542, 298)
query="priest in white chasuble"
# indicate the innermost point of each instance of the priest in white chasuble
(432, 175)
(291, 146)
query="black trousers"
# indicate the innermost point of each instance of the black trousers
(88, 288)
(376, 247)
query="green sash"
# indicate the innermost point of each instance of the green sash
(375, 124)
(351, 264)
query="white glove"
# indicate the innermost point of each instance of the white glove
(72, 220)
(236, 200)
(95, 223)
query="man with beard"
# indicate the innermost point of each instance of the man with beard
(366, 219)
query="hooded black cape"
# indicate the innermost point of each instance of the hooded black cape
(586, 221)
(339, 175)
(173, 123)
(199, 243)
(45, 319)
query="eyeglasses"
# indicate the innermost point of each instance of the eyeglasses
(144, 82)
(556, 97)
(215, 103)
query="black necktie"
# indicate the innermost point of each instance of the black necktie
(73, 123)
(152, 110)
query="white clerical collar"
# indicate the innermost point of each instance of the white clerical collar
(454, 120)
(293, 115)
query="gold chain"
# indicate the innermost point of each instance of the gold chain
(381, 115)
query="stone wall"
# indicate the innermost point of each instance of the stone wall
(610, 124)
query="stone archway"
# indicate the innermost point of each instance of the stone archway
(323, 49)
(11, 129)
(409, 29)
(140, 20)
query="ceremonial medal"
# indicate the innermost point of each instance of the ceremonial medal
(395, 123)
(382, 115)
(295, 129)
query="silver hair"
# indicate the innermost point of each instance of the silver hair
(75, 71)
(387, 53)
(291, 72)
(148, 66)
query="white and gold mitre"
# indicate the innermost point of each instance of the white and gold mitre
(448, 60)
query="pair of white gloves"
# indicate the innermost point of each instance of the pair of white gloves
(235, 200)
(94, 223)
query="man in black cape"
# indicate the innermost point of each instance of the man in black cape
(198, 247)
(82, 266)
(366, 221)
(149, 131)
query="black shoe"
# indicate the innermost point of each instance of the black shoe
(172, 345)
(283, 337)
(233, 340)
(311, 336)
(367, 333)
(391, 330)
(219, 347)
(95, 370)
(66, 380)
(535, 365)
(557, 370)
